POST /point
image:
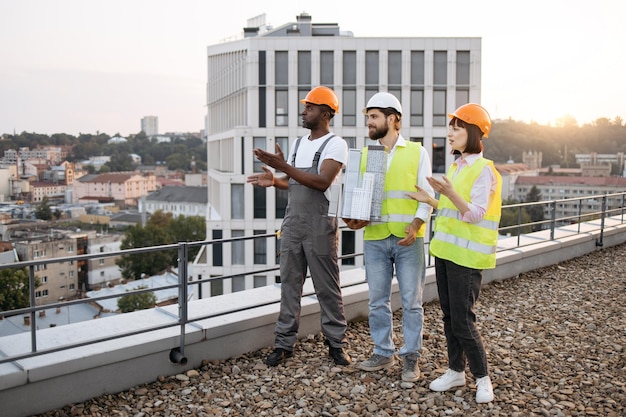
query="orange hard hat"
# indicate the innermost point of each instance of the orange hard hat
(322, 95)
(474, 114)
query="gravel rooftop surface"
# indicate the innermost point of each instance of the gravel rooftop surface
(555, 342)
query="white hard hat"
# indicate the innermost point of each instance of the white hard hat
(383, 101)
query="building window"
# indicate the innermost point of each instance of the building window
(371, 67)
(417, 107)
(348, 246)
(260, 281)
(439, 155)
(101, 274)
(462, 68)
(257, 142)
(304, 68)
(351, 141)
(281, 203)
(394, 68)
(217, 248)
(44, 279)
(417, 140)
(260, 202)
(349, 68)
(72, 286)
(281, 74)
(217, 287)
(417, 68)
(238, 283)
(440, 69)
(440, 117)
(349, 107)
(461, 96)
(284, 145)
(238, 247)
(282, 106)
(260, 248)
(327, 68)
(236, 201)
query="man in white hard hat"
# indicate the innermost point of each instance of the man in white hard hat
(397, 242)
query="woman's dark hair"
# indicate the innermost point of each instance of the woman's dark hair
(474, 135)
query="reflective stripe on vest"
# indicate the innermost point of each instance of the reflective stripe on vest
(398, 210)
(472, 245)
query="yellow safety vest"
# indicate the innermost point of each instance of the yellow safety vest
(398, 210)
(472, 245)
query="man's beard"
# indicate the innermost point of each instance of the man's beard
(379, 132)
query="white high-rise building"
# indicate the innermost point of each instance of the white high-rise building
(150, 125)
(254, 87)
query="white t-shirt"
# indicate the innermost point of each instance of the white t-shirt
(336, 149)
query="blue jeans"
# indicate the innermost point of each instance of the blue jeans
(458, 289)
(381, 256)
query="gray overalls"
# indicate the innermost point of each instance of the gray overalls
(309, 239)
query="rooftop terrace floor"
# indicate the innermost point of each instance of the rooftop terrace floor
(555, 340)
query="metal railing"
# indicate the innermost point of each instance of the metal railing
(609, 205)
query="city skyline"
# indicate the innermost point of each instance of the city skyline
(72, 66)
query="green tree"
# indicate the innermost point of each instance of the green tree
(536, 210)
(149, 263)
(133, 302)
(188, 229)
(514, 216)
(14, 289)
(161, 229)
(43, 210)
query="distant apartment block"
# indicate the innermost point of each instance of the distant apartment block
(52, 155)
(59, 280)
(150, 125)
(125, 189)
(178, 200)
(103, 271)
(556, 187)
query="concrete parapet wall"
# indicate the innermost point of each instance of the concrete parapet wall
(38, 384)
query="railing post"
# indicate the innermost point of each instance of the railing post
(31, 293)
(600, 241)
(552, 219)
(177, 355)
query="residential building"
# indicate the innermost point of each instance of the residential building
(59, 280)
(254, 88)
(123, 188)
(51, 154)
(104, 271)
(557, 187)
(150, 125)
(178, 200)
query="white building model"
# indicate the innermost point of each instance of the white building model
(364, 190)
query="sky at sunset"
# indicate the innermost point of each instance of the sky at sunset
(83, 66)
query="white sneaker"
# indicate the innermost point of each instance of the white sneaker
(448, 380)
(484, 390)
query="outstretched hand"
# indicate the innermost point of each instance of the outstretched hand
(443, 187)
(419, 195)
(274, 160)
(262, 179)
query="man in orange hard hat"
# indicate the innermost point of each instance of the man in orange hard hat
(308, 233)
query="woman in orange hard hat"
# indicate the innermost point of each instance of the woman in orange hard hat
(463, 244)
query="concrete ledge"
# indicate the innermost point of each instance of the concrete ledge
(78, 374)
